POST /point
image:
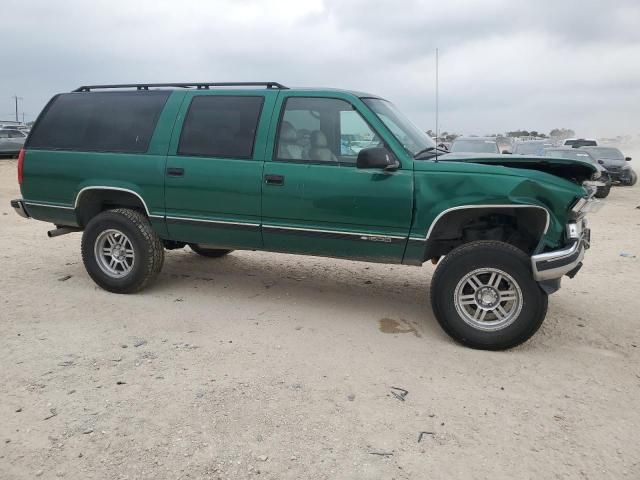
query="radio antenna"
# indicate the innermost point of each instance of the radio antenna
(437, 131)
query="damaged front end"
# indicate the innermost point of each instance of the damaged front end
(549, 267)
(576, 171)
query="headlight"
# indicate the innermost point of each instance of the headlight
(574, 230)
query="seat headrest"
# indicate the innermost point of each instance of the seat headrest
(319, 139)
(288, 133)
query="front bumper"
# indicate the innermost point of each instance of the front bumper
(18, 206)
(556, 264)
(619, 174)
(568, 260)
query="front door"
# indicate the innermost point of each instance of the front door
(315, 200)
(214, 168)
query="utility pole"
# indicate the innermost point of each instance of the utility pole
(16, 98)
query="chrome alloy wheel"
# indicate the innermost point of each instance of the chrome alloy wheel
(488, 299)
(114, 253)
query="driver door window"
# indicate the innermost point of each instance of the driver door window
(323, 131)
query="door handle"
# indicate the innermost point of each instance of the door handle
(274, 179)
(175, 172)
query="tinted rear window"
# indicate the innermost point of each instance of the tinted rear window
(221, 126)
(99, 122)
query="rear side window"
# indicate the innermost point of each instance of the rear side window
(99, 122)
(221, 126)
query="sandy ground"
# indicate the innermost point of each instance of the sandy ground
(273, 366)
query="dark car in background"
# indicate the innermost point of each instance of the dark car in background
(531, 147)
(581, 154)
(475, 145)
(616, 164)
(580, 142)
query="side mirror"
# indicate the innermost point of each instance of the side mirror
(377, 157)
(628, 159)
(506, 152)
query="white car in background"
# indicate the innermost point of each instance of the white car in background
(11, 141)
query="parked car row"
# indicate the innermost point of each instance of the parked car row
(614, 166)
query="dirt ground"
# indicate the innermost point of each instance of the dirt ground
(274, 366)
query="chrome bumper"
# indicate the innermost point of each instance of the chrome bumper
(552, 265)
(18, 206)
(566, 261)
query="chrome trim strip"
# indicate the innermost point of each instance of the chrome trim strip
(40, 204)
(462, 207)
(368, 235)
(221, 222)
(104, 187)
(355, 234)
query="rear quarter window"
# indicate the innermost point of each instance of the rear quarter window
(120, 122)
(221, 126)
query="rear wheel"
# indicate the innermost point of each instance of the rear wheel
(484, 296)
(121, 251)
(209, 252)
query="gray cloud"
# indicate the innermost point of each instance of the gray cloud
(504, 64)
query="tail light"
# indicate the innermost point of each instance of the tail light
(21, 166)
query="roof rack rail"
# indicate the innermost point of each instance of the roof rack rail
(198, 86)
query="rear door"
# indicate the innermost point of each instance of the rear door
(214, 168)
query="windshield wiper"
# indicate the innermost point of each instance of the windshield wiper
(424, 150)
(428, 150)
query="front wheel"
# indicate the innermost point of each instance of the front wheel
(631, 180)
(121, 251)
(603, 192)
(484, 296)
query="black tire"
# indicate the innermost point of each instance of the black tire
(146, 245)
(475, 256)
(603, 192)
(209, 252)
(631, 181)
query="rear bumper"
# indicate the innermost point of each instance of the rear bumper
(18, 206)
(566, 261)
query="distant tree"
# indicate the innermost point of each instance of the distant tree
(431, 133)
(562, 133)
(518, 133)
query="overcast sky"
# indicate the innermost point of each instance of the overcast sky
(504, 64)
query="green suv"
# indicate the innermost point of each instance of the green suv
(258, 166)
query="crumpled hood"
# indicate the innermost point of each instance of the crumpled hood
(576, 171)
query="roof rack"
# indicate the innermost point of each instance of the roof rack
(198, 86)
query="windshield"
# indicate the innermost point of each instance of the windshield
(412, 138)
(607, 153)
(475, 146)
(581, 143)
(569, 154)
(530, 148)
